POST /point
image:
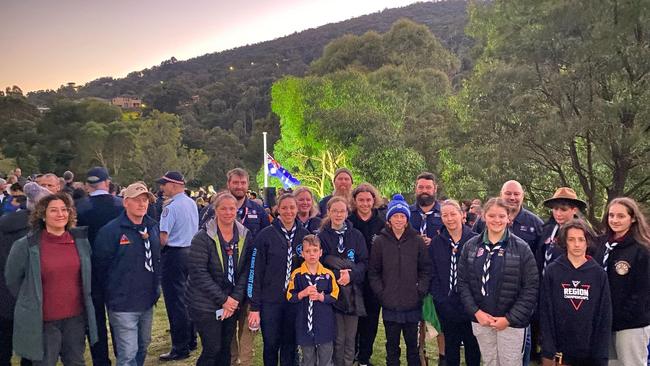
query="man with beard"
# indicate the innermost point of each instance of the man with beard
(524, 224)
(254, 218)
(342, 187)
(425, 218)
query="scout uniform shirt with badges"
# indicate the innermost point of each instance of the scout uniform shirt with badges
(428, 223)
(253, 216)
(180, 220)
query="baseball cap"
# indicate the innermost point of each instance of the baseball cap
(97, 174)
(171, 177)
(136, 189)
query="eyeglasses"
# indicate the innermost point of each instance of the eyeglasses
(338, 212)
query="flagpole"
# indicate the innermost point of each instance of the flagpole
(266, 164)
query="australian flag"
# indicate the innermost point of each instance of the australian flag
(278, 171)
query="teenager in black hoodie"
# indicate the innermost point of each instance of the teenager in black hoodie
(624, 253)
(575, 305)
(365, 217)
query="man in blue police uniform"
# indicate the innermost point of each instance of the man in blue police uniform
(128, 257)
(254, 218)
(95, 211)
(525, 225)
(179, 221)
(425, 218)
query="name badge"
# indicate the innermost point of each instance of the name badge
(436, 214)
(251, 216)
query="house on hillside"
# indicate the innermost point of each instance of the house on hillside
(127, 102)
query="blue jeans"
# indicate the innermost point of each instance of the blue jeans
(132, 333)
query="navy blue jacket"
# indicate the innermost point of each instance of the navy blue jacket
(527, 226)
(119, 262)
(269, 264)
(97, 211)
(544, 242)
(448, 304)
(434, 221)
(322, 206)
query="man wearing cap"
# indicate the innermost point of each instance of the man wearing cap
(342, 187)
(95, 211)
(128, 256)
(179, 221)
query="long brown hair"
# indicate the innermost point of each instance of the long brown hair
(639, 228)
(37, 217)
(365, 187)
(327, 221)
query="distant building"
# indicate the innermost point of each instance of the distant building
(126, 102)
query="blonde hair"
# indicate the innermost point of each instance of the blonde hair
(313, 211)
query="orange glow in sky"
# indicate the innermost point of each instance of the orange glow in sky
(45, 44)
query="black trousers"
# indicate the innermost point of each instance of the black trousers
(6, 343)
(216, 336)
(393, 332)
(173, 282)
(456, 333)
(99, 351)
(279, 333)
(367, 328)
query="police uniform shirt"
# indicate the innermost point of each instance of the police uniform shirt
(180, 220)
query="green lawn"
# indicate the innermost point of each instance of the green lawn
(160, 343)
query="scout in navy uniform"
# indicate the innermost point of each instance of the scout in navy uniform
(179, 222)
(575, 305)
(313, 287)
(254, 218)
(342, 188)
(345, 253)
(425, 219)
(624, 252)
(307, 209)
(445, 252)
(95, 211)
(277, 252)
(127, 255)
(498, 284)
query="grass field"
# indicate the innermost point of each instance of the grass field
(161, 343)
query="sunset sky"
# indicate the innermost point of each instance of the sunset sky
(47, 43)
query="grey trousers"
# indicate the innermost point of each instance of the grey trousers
(629, 347)
(319, 355)
(346, 334)
(66, 337)
(500, 348)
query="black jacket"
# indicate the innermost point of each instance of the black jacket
(448, 304)
(628, 272)
(399, 270)
(517, 290)
(355, 258)
(544, 241)
(13, 226)
(269, 264)
(575, 310)
(207, 285)
(369, 228)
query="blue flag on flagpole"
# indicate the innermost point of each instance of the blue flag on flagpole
(278, 171)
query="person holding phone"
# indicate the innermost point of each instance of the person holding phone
(219, 263)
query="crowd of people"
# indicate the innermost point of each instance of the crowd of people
(82, 261)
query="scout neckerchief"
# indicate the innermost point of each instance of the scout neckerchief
(608, 249)
(148, 260)
(341, 233)
(239, 246)
(453, 270)
(486, 266)
(548, 253)
(310, 307)
(288, 234)
(423, 224)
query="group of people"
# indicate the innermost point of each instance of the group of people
(316, 276)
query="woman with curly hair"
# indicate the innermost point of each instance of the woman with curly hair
(49, 272)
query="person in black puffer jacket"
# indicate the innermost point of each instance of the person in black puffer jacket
(399, 273)
(624, 252)
(219, 264)
(498, 284)
(345, 254)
